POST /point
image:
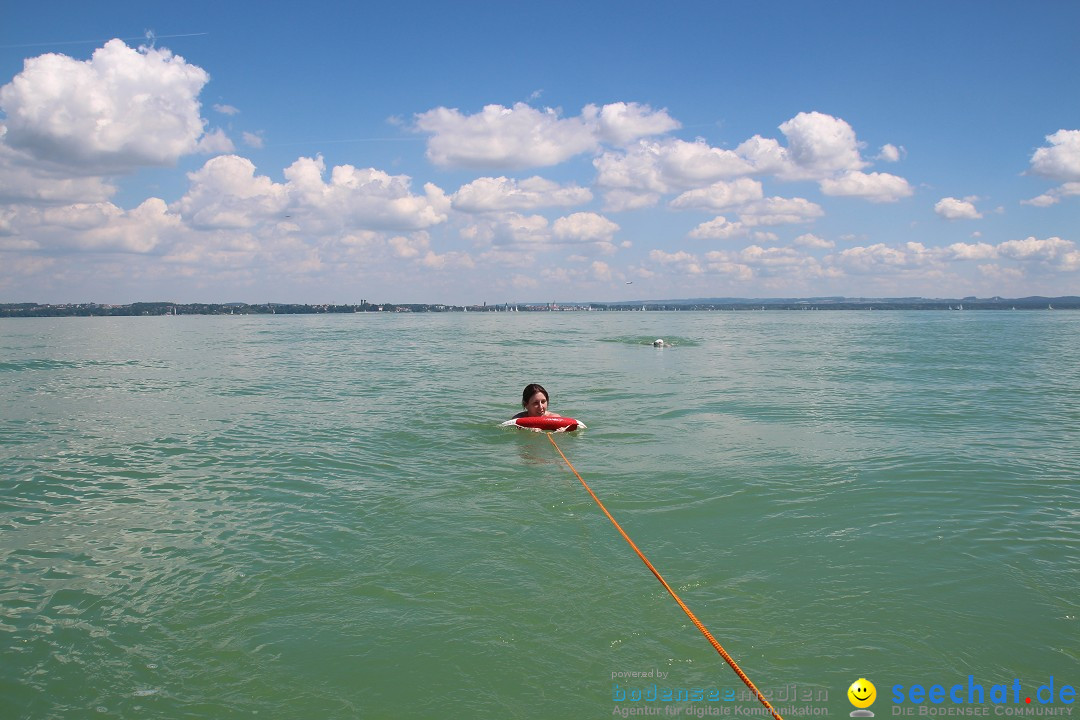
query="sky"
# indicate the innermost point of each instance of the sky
(435, 152)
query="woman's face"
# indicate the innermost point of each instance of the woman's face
(537, 405)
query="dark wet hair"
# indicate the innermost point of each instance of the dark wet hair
(531, 390)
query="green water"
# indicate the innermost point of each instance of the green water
(319, 516)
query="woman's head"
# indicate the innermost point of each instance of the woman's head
(534, 399)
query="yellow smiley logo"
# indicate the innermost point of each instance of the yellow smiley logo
(862, 693)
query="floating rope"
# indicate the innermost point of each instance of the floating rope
(697, 623)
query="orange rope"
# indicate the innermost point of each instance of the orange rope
(697, 623)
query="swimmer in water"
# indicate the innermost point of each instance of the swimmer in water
(535, 401)
(658, 342)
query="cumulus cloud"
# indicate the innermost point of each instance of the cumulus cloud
(1054, 196)
(952, 209)
(767, 211)
(809, 240)
(24, 179)
(667, 166)
(523, 136)
(507, 229)
(253, 140)
(122, 109)
(363, 197)
(890, 153)
(1061, 160)
(586, 227)
(720, 195)
(780, 211)
(226, 109)
(719, 228)
(227, 194)
(488, 194)
(1054, 254)
(101, 227)
(618, 200)
(819, 145)
(685, 262)
(879, 258)
(875, 187)
(215, 142)
(622, 123)
(1032, 248)
(774, 257)
(972, 251)
(501, 137)
(601, 271)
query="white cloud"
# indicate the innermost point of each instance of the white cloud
(364, 197)
(226, 194)
(875, 187)
(622, 123)
(410, 246)
(721, 264)
(636, 170)
(25, 179)
(1032, 248)
(620, 200)
(972, 251)
(667, 166)
(215, 142)
(820, 145)
(523, 136)
(666, 258)
(253, 140)
(879, 258)
(488, 194)
(686, 164)
(100, 227)
(1060, 161)
(779, 211)
(601, 271)
(1053, 197)
(508, 229)
(447, 261)
(226, 109)
(121, 109)
(890, 153)
(765, 156)
(951, 208)
(775, 257)
(720, 195)
(681, 260)
(501, 137)
(719, 228)
(914, 261)
(1044, 200)
(810, 240)
(585, 227)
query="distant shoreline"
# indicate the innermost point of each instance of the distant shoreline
(8, 310)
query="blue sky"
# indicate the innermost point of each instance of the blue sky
(513, 152)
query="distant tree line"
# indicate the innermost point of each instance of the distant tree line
(725, 304)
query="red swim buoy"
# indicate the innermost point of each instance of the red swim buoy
(550, 424)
